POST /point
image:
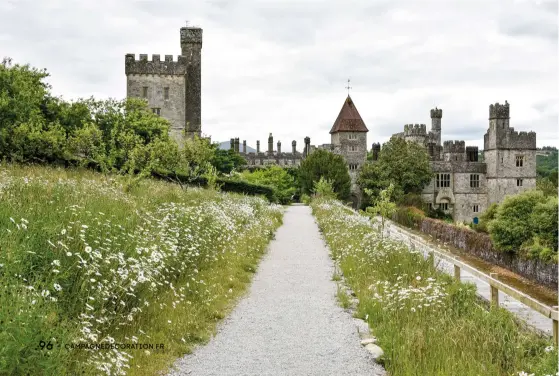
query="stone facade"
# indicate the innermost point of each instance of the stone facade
(463, 186)
(171, 87)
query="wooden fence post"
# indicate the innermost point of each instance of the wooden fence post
(494, 292)
(457, 272)
(555, 329)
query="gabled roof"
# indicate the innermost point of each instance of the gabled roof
(349, 119)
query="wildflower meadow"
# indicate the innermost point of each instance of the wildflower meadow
(426, 322)
(87, 258)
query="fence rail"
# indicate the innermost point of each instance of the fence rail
(495, 285)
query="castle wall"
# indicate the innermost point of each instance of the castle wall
(173, 109)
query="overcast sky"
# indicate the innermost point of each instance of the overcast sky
(281, 66)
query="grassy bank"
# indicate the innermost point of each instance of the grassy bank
(86, 258)
(426, 322)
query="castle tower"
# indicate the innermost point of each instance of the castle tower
(510, 156)
(349, 138)
(171, 87)
(191, 47)
(436, 116)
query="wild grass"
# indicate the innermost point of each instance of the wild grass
(88, 258)
(426, 322)
(342, 296)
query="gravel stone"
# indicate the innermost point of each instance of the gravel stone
(289, 323)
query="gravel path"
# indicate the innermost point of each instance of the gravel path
(290, 322)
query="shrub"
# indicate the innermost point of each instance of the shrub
(323, 188)
(276, 177)
(486, 217)
(409, 216)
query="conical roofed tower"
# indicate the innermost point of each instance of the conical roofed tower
(349, 119)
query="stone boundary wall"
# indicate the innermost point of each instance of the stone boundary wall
(480, 245)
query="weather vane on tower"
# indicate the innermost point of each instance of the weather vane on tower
(348, 87)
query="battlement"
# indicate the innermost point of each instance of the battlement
(191, 35)
(415, 130)
(169, 66)
(436, 113)
(522, 140)
(455, 147)
(498, 111)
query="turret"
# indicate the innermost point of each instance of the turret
(191, 46)
(279, 147)
(244, 146)
(294, 147)
(258, 147)
(270, 144)
(436, 116)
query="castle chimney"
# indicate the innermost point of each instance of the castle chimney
(232, 147)
(245, 146)
(270, 144)
(307, 146)
(237, 144)
(258, 147)
(294, 147)
(279, 147)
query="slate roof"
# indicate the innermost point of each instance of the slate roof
(349, 119)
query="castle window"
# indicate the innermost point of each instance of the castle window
(474, 180)
(352, 148)
(443, 180)
(166, 93)
(352, 136)
(156, 111)
(145, 92)
(444, 206)
(353, 166)
(475, 208)
(519, 182)
(519, 160)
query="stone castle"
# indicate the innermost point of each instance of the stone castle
(463, 186)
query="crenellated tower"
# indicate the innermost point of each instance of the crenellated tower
(172, 87)
(416, 133)
(510, 156)
(436, 117)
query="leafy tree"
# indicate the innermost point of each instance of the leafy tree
(547, 185)
(383, 205)
(226, 161)
(404, 164)
(512, 224)
(324, 164)
(276, 177)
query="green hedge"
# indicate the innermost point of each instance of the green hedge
(227, 185)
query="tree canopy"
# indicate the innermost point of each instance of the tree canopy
(324, 164)
(404, 164)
